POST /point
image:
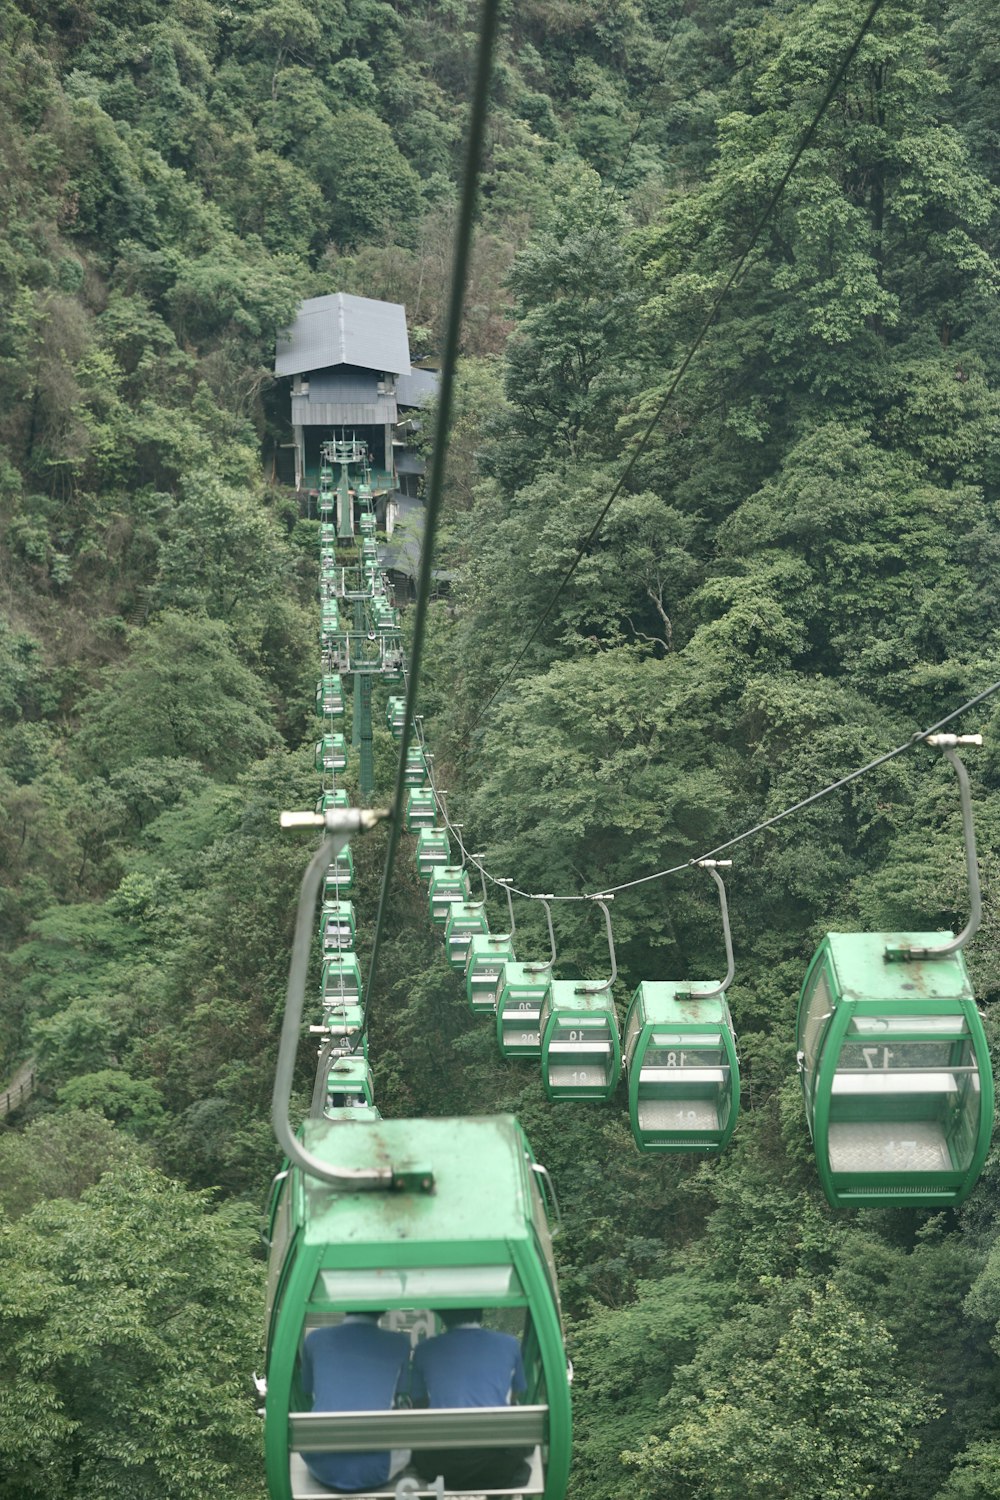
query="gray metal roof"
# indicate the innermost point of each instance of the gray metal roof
(417, 387)
(344, 330)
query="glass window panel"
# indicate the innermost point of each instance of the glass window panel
(907, 1025)
(817, 1015)
(474, 1285)
(881, 1056)
(685, 1039)
(684, 1057)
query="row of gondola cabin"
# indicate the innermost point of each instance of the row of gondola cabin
(330, 695)
(448, 883)
(464, 921)
(895, 1070)
(479, 1240)
(683, 1070)
(337, 927)
(485, 958)
(433, 850)
(331, 753)
(421, 809)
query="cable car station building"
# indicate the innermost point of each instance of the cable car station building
(348, 359)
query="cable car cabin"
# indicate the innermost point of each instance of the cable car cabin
(895, 1070)
(331, 753)
(581, 1049)
(415, 771)
(330, 695)
(421, 809)
(366, 524)
(339, 878)
(448, 884)
(329, 800)
(327, 537)
(353, 1114)
(341, 1029)
(349, 1087)
(369, 550)
(327, 502)
(337, 926)
(484, 962)
(520, 994)
(433, 850)
(683, 1072)
(464, 920)
(395, 716)
(340, 983)
(478, 1242)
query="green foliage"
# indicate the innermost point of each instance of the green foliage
(183, 692)
(106, 1358)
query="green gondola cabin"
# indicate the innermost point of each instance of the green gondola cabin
(421, 809)
(448, 883)
(395, 716)
(340, 982)
(485, 958)
(520, 994)
(331, 753)
(339, 878)
(415, 771)
(348, 1086)
(480, 1240)
(580, 1045)
(683, 1071)
(433, 850)
(337, 926)
(464, 921)
(330, 695)
(895, 1070)
(335, 798)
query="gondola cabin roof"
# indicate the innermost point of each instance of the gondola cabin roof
(480, 1198)
(863, 972)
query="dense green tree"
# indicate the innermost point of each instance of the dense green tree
(108, 1359)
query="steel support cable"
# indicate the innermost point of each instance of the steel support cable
(654, 421)
(835, 786)
(460, 265)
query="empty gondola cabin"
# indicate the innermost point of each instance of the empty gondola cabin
(464, 921)
(484, 962)
(683, 1071)
(448, 884)
(895, 1070)
(465, 1228)
(433, 849)
(580, 1045)
(421, 810)
(520, 993)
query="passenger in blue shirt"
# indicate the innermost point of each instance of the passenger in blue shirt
(355, 1366)
(469, 1365)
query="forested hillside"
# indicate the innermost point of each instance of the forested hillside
(799, 573)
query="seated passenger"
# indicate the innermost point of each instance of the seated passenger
(469, 1365)
(355, 1366)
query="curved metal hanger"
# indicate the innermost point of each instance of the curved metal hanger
(543, 967)
(946, 743)
(713, 866)
(597, 989)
